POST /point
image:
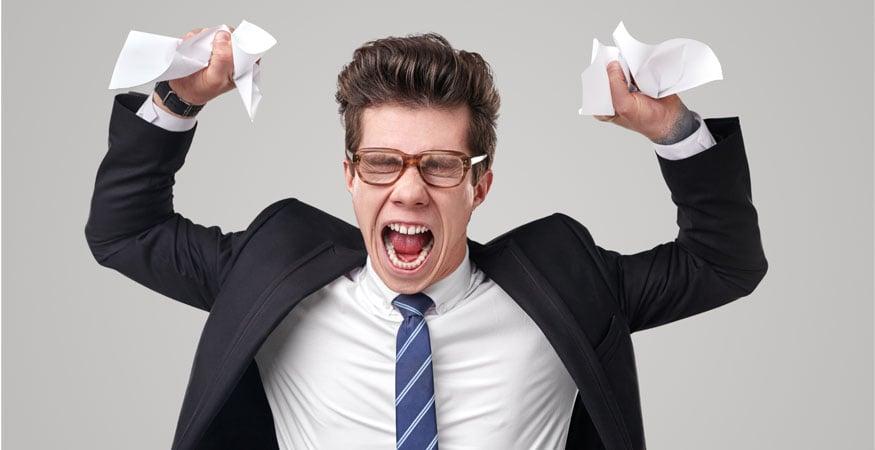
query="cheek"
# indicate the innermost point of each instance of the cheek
(456, 213)
(366, 204)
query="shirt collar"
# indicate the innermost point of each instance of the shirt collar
(445, 293)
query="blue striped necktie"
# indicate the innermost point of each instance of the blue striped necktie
(415, 417)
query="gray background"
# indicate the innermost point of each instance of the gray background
(94, 361)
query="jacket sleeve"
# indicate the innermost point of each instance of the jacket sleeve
(132, 227)
(717, 256)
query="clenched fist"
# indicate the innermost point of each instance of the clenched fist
(211, 81)
(662, 120)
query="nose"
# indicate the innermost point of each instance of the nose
(410, 189)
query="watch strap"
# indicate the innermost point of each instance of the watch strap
(173, 102)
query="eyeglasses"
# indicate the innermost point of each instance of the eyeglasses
(438, 168)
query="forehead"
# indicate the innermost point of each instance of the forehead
(413, 130)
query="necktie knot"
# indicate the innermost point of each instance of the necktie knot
(412, 304)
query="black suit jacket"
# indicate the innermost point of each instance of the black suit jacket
(586, 299)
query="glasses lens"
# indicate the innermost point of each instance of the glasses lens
(442, 170)
(379, 167)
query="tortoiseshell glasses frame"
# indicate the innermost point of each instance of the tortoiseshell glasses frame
(438, 168)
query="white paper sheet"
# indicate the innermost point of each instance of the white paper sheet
(659, 70)
(147, 58)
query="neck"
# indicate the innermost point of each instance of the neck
(456, 258)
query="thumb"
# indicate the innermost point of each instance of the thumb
(222, 59)
(620, 95)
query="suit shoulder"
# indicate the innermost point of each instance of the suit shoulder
(574, 226)
(292, 215)
(556, 228)
(269, 211)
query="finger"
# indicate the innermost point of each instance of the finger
(620, 95)
(605, 118)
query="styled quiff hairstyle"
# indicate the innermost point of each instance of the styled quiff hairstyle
(421, 70)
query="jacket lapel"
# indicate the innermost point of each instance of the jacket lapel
(325, 263)
(505, 263)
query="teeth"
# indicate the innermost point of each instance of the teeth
(404, 229)
(390, 249)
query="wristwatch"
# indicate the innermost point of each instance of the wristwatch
(173, 102)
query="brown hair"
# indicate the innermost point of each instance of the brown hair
(421, 70)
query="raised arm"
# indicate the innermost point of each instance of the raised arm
(132, 226)
(717, 256)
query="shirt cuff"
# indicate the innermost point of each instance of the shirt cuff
(700, 140)
(153, 114)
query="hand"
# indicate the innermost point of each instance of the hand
(662, 120)
(213, 80)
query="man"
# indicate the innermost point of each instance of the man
(403, 331)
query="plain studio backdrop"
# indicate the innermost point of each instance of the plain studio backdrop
(94, 361)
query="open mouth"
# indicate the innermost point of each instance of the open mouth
(407, 246)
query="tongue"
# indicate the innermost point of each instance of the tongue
(408, 244)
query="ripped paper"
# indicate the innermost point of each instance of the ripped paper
(147, 57)
(659, 70)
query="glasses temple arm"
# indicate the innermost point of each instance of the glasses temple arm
(477, 159)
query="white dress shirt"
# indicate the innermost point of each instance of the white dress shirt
(328, 368)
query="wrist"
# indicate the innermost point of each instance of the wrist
(172, 102)
(184, 94)
(681, 128)
(160, 103)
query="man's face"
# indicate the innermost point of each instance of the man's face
(410, 202)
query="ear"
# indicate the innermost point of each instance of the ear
(348, 174)
(482, 188)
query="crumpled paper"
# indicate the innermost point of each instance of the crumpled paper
(147, 57)
(659, 70)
